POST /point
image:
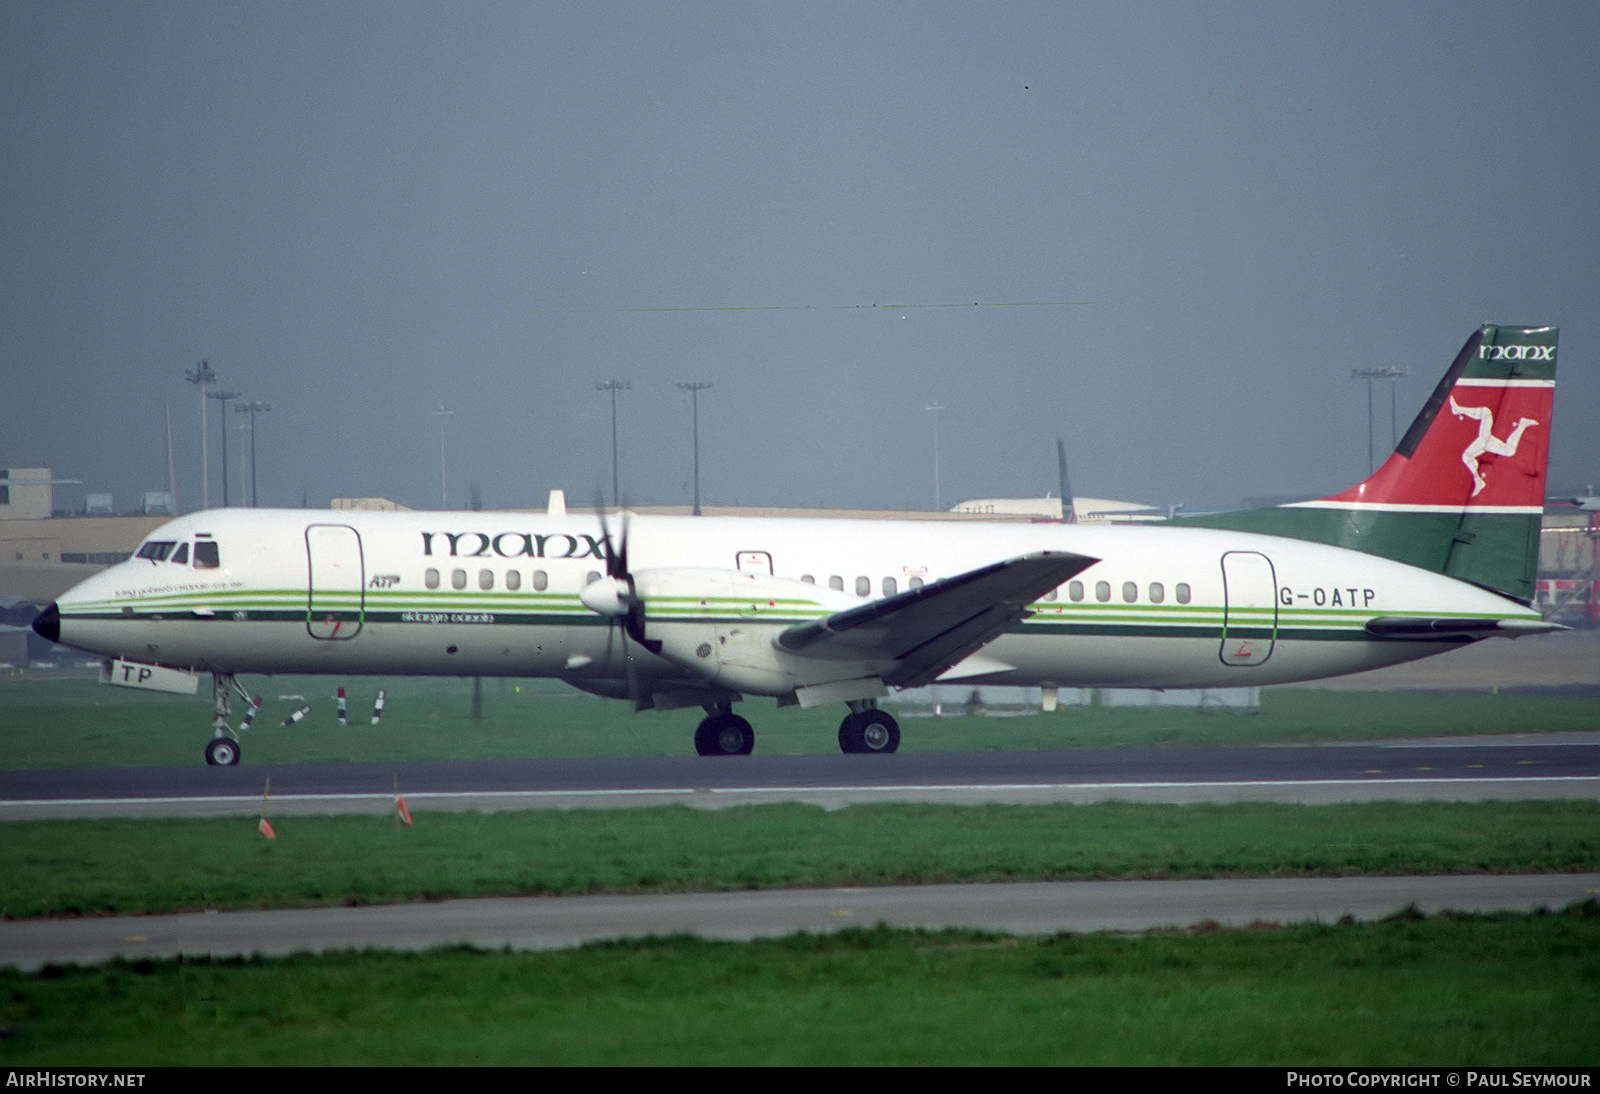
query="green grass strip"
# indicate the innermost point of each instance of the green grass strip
(1520, 990)
(133, 866)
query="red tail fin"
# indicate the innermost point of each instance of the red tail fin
(1464, 491)
(1482, 440)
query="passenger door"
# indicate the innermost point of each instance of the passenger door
(1250, 612)
(336, 582)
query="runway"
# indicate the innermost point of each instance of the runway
(1565, 766)
(543, 923)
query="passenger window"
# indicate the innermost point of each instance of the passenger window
(486, 579)
(863, 586)
(181, 555)
(808, 579)
(915, 583)
(1052, 594)
(890, 586)
(1158, 592)
(1075, 590)
(1102, 591)
(1130, 591)
(1183, 592)
(458, 579)
(206, 555)
(513, 580)
(591, 577)
(541, 580)
(430, 578)
(836, 582)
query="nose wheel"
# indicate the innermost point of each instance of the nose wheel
(222, 752)
(869, 730)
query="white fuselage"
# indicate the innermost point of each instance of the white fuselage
(496, 593)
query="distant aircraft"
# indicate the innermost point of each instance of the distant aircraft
(675, 612)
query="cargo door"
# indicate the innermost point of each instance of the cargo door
(1250, 612)
(336, 582)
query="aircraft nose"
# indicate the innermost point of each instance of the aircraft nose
(47, 624)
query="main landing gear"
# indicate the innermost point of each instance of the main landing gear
(724, 733)
(868, 729)
(864, 729)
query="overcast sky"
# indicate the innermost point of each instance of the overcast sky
(360, 213)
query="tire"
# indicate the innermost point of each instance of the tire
(724, 735)
(222, 752)
(869, 731)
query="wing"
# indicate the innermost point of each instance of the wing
(926, 630)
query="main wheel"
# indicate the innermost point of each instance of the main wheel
(869, 731)
(222, 752)
(724, 735)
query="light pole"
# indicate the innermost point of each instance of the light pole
(614, 386)
(1392, 373)
(252, 408)
(938, 494)
(202, 376)
(442, 414)
(1394, 406)
(223, 397)
(694, 390)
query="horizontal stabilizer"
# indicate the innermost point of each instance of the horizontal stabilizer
(1397, 626)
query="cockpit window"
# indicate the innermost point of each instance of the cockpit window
(156, 550)
(206, 555)
(181, 555)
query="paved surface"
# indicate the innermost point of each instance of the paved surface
(1503, 767)
(543, 923)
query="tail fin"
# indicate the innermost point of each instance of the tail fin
(1463, 493)
(1069, 508)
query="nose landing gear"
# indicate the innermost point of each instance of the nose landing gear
(223, 748)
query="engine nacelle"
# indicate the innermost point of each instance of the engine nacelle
(721, 626)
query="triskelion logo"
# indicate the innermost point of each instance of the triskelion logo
(1486, 441)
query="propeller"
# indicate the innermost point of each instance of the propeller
(616, 596)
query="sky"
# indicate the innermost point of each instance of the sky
(1163, 233)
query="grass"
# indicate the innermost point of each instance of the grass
(51, 720)
(161, 865)
(1506, 990)
(1503, 990)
